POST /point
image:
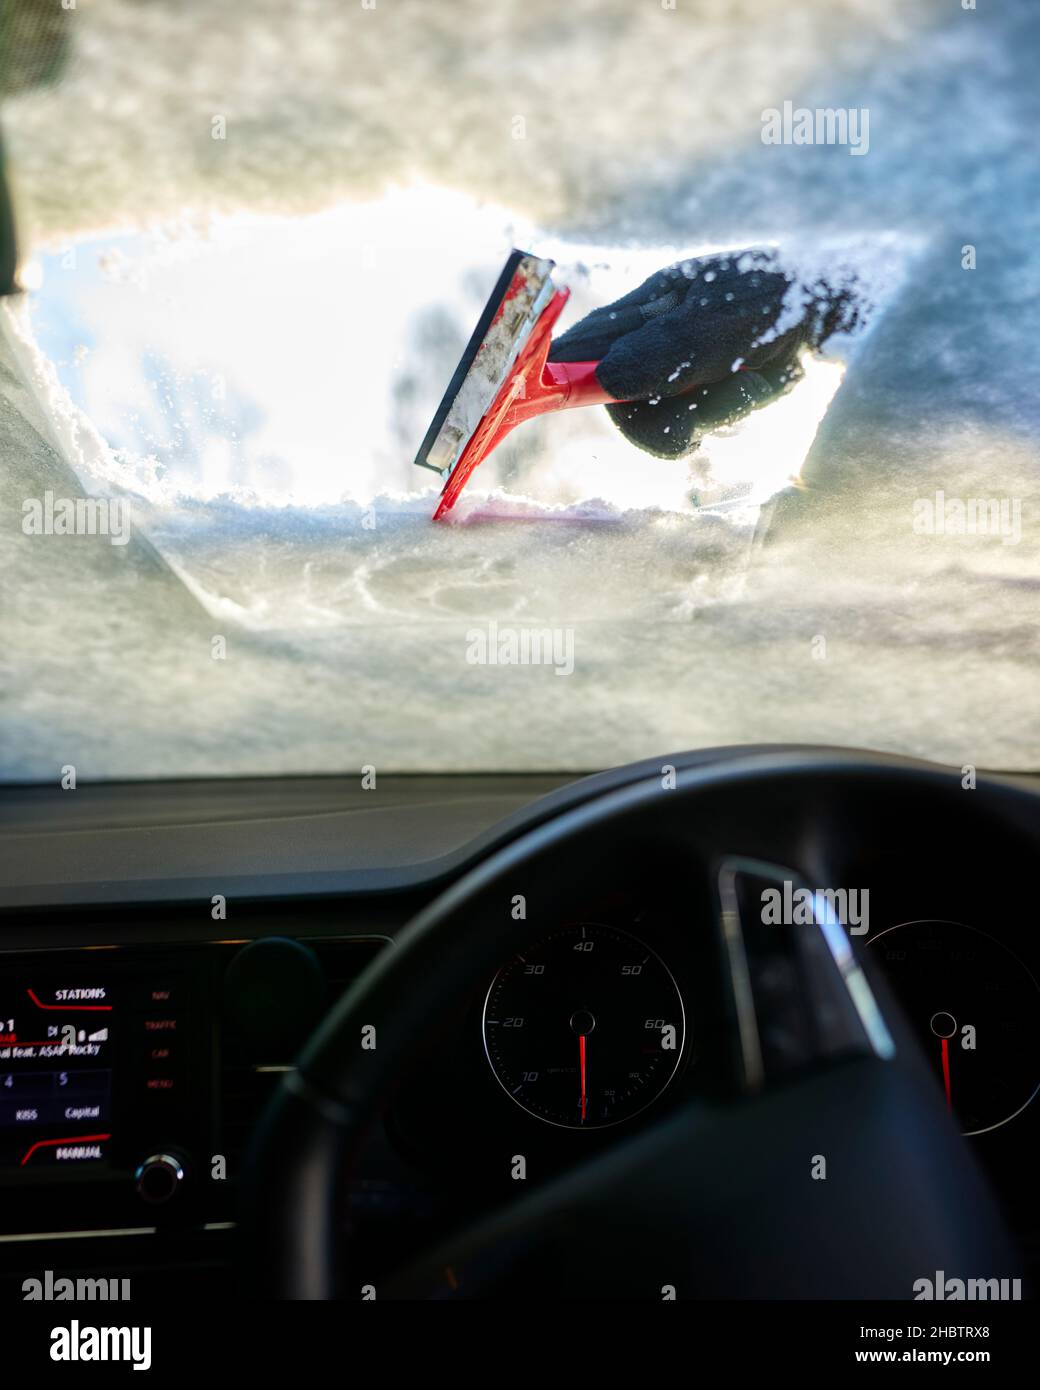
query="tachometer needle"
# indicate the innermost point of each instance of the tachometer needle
(581, 1051)
(946, 1070)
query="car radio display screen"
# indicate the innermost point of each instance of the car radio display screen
(56, 1042)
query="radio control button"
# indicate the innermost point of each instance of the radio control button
(161, 1085)
(161, 1025)
(63, 1153)
(158, 994)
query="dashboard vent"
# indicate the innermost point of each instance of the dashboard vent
(256, 1046)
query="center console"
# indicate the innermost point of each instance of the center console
(130, 1078)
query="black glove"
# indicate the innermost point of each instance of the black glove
(685, 350)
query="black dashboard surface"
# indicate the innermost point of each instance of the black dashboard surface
(269, 838)
(149, 841)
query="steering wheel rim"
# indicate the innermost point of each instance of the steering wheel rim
(295, 1177)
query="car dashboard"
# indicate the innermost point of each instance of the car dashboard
(166, 951)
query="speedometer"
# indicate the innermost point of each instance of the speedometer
(585, 1028)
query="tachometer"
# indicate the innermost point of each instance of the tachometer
(584, 1028)
(973, 1005)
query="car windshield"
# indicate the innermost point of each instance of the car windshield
(255, 241)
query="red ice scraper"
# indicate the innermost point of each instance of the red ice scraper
(505, 376)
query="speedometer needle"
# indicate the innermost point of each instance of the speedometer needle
(946, 1071)
(581, 1052)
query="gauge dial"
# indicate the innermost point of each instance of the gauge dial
(973, 1005)
(584, 1028)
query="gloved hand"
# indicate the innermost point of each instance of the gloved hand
(700, 344)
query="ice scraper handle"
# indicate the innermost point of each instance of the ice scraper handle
(576, 383)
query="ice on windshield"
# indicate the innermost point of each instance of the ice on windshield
(251, 381)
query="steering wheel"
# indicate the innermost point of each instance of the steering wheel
(717, 1199)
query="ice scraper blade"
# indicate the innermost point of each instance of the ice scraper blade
(504, 376)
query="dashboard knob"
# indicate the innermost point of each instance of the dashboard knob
(159, 1177)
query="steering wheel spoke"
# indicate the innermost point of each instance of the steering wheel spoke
(798, 994)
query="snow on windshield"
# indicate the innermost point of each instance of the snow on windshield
(252, 385)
